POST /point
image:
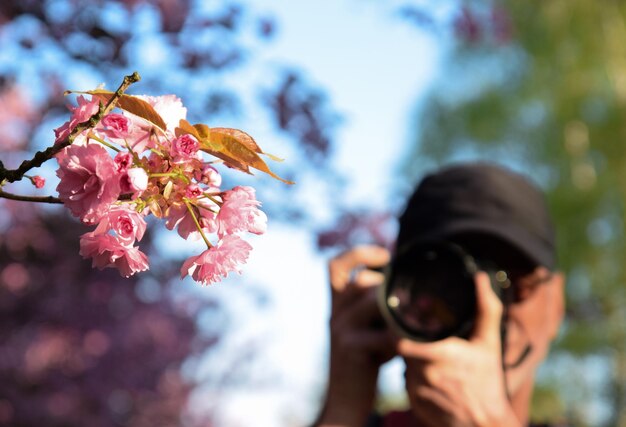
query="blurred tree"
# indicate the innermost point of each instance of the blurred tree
(81, 347)
(541, 87)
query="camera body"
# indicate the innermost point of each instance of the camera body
(429, 292)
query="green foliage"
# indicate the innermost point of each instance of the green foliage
(551, 102)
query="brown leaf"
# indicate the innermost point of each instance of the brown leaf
(232, 147)
(244, 139)
(184, 127)
(236, 148)
(202, 133)
(133, 105)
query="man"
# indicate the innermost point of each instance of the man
(486, 378)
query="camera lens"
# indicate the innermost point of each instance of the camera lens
(429, 292)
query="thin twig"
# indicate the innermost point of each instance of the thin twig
(195, 220)
(41, 157)
(39, 199)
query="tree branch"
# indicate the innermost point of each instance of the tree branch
(7, 175)
(39, 199)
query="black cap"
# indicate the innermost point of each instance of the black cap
(480, 198)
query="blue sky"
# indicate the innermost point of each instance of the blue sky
(375, 67)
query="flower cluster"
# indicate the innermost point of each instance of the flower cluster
(145, 160)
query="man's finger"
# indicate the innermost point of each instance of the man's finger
(340, 267)
(361, 282)
(363, 278)
(488, 312)
(427, 351)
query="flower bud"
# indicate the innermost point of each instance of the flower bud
(38, 181)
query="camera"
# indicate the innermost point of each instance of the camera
(429, 291)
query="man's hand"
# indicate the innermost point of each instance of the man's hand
(360, 342)
(457, 382)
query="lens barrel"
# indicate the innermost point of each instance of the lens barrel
(429, 292)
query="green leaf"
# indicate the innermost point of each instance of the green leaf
(133, 105)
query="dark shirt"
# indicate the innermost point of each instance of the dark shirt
(404, 419)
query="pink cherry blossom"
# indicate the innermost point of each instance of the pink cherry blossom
(134, 180)
(116, 126)
(89, 182)
(169, 107)
(179, 217)
(214, 263)
(38, 181)
(185, 147)
(193, 191)
(123, 160)
(132, 261)
(127, 224)
(106, 250)
(173, 181)
(141, 139)
(80, 113)
(143, 136)
(240, 212)
(208, 175)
